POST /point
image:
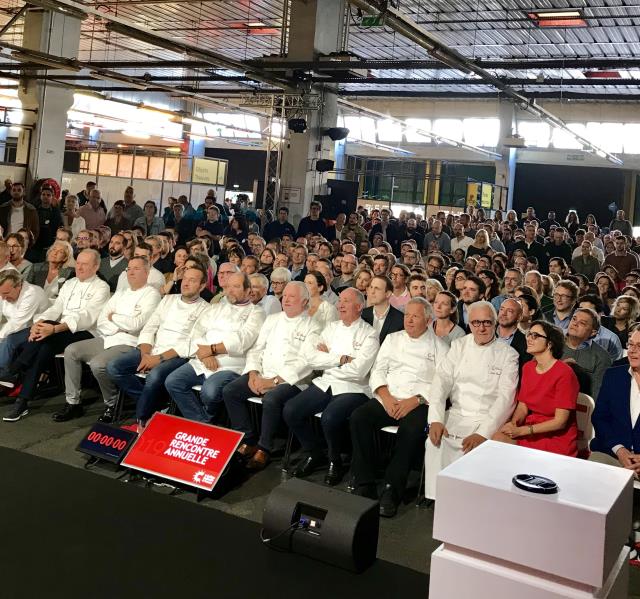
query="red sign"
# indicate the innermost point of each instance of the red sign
(182, 450)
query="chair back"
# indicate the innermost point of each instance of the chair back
(584, 410)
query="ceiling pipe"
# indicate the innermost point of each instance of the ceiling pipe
(408, 28)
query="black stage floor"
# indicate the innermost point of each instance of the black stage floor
(70, 533)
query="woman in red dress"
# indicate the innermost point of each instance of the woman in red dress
(545, 417)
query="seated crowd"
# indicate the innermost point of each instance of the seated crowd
(456, 329)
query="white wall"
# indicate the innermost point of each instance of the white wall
(13, 172)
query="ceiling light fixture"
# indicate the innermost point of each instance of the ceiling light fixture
(130, 81)
(557, 18)
(64, 64)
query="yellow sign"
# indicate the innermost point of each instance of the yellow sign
(473, 189)
(485, 198)
(205, 171)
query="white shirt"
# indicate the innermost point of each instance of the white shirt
(462, 244)
(279, 350)
(596, 252)
(171, 324)
(358, 341)
(19, 314)
(16, 220)
(325, 314)
(130, 310)
(8, 266)
(156, 279)
(270, 304)
(115, 262)
(378, 321)
(78, 304)
(407, 366)
(481, 382)
(235, 325)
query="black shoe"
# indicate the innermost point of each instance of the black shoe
(334, 474)
(308, 465)
(108, 416)
(388, 502)
(9, 379)
(369, 491)
(18, 410)
(69, 412)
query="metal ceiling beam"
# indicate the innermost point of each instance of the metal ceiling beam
(454, 95)
(409, 29)
(130, 29)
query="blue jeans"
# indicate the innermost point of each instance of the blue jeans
(147, 391)
(9, 346)
(335, 409)
(204, 409)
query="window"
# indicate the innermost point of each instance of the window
(535, 133)
(451, 128)
(607, 136)
(412, 136)
(389, 130)
(565, 141)
(353, 124)
(481, 132)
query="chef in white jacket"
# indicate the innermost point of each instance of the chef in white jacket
(164, 344)
(401, 380)
(221, 338)
(119, 324)
(346, 351)
(259, 287)
(20, 301)
(480, 376)
(276, 370)
(155, 278)
(72, 317)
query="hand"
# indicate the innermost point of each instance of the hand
(436, 430)
(471, 442)
(345, 360)
(210, 363)
(322, 347)
(148, 362)
(405, 406)
(253, 382)
(109, 315)
(390, 405)
(204, 351)
(628, 460)
(511, 430)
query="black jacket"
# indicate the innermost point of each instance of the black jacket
(393, 323)
(39, 271)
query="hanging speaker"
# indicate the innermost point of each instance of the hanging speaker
(324, 165)
(297, 125)
(323, 523)
(336, 133)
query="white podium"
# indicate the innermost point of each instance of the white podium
(502, 542)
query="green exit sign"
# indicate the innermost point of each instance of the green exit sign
(371, 21)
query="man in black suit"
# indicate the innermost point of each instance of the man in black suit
(389, 230)
(380, 314)
(507, 330)
(533, 247)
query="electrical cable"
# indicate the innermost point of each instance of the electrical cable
(295, 526)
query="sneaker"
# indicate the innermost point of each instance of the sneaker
(18, 410)
(9, 379)
(69, 412)
(108, 416)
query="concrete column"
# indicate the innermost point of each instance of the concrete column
(316, 28)
(42, 148)
(506, 168)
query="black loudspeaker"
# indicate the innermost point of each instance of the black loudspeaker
(297, 125)
(324, 165)
(323, 523)
(336, 133)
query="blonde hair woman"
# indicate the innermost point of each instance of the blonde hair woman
(480, 245)
(58, 267)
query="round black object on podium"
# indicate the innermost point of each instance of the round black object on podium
(322, 523)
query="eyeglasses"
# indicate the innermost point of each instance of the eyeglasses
(78, 239)
(633, 346)
(481, 323)
(563, 296)
(533, 335)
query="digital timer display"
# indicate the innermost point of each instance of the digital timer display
(107, 442)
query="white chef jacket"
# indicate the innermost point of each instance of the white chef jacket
(360, 342)
(407, 366)
(325, 314)
(235, 325)
(130, 312)
(171, 324)
(280, 348)
(78, 304)
(156, 279)
(19, 314)
(270, 304)
(481, 382)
